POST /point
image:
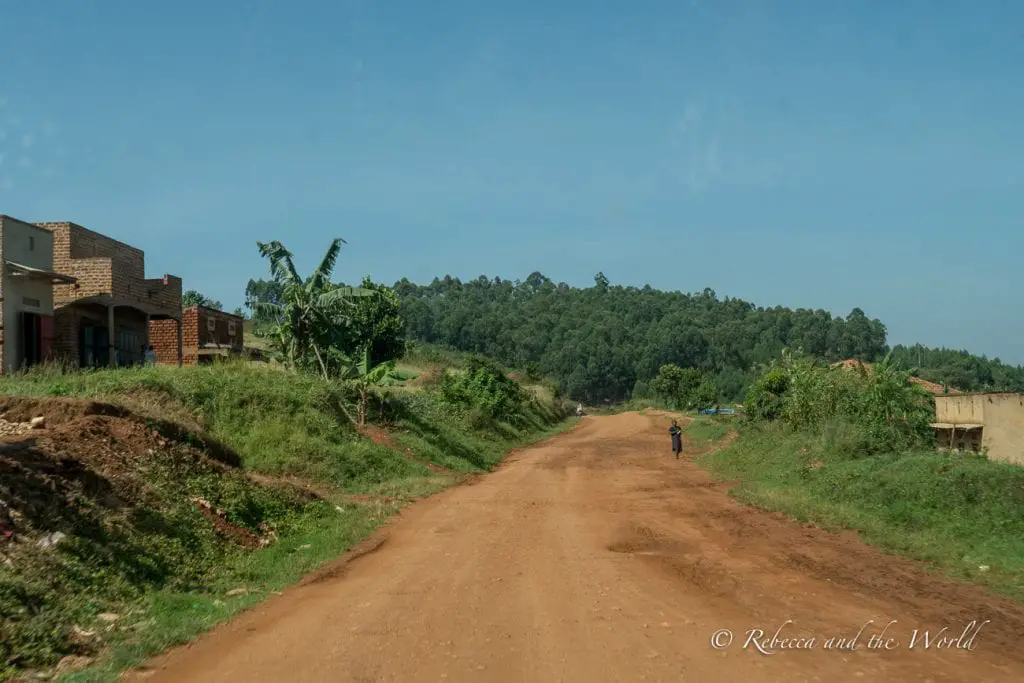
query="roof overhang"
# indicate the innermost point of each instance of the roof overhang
(20, 269)
(154, 312)
(951, 425)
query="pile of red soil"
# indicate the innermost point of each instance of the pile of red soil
(91, 453)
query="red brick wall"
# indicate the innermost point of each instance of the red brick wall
(106, 266)
(68, 321)
(93, 270)
(163, 335)
(165, 292)
(223, 326)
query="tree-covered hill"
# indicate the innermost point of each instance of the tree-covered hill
(960, 369)
(601, 341)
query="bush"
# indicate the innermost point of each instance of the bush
(765, 397)
(889, 412)
(485, 387)
(684, 388)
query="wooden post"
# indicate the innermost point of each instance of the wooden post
(111, 348)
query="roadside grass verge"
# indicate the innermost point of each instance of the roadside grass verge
(288, 431)
(166, 618)
(961, 514)
(704, 431)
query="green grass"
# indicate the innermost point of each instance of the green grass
(282, 426)
(704, 430)
(956, 512)
(165, 618)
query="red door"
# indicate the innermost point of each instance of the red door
(46, 337)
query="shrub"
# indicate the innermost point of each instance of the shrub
(765, 396)
(682, 388)
(482, 385)
(889, 413)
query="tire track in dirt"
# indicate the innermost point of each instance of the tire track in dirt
(597, 556)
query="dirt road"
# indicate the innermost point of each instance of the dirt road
(598, 557)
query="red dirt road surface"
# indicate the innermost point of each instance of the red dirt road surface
(596, 556)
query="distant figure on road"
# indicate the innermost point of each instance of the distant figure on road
(579, 410)
(677, 438)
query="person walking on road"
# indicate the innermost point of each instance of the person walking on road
(677, 438)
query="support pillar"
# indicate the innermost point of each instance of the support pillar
(179, 343)
(111, 347)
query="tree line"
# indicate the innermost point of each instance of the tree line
(610, 342)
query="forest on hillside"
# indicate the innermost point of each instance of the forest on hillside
(608, 342)
(604, 342)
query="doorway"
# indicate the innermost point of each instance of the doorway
(93, 345)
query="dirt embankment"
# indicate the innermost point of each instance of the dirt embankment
(90, 451)
(98, 504)
(598, 556)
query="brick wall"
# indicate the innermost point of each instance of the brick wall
(227, 328)
(163, 335)
(104, 265)
(65, 334)
(107, 266)
(72, 256)
(165, 292)
(195, 333)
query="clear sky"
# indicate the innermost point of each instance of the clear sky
(802, 153)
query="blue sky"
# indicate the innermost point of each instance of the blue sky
(800, 153)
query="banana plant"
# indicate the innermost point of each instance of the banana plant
(366, 378)
(310, 307)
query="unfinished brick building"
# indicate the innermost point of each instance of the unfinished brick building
(103, 319)
(206, 334)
